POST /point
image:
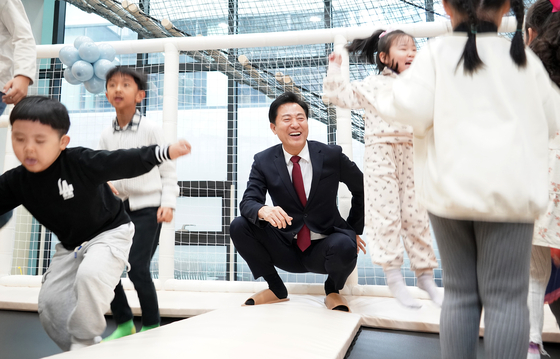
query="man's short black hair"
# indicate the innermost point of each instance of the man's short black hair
(46, 110)
(139, 78)
(286, 97)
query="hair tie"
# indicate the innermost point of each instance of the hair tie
(386, 32)
(555, 5)
(473, 29)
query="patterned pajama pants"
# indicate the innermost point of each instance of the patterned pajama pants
(538, 280)
(392, 212)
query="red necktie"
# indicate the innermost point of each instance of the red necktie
(304, 236)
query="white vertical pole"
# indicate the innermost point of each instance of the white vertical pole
(344, 140)
(42, 237)
(170, 114)
(8, 233)
(231, 246)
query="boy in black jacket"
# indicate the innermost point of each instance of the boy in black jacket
(66, 190)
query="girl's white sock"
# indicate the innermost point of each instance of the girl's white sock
(398, 288)
(426, 283)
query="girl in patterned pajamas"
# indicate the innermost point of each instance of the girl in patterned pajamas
(391, 208)
(542, 30)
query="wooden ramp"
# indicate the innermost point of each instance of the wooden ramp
(274, 331)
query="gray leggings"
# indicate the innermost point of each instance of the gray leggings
(485, 264)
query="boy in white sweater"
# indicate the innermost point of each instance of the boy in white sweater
(17, 59)
(149, 199)
(17, 53)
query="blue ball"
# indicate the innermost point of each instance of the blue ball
(101, 67)
(106, 52)
(89, 52)
(82, 70)
(70, 78)
(68, 55)
(80, 40)
(95, 85)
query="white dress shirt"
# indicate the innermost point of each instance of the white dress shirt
(306, 173)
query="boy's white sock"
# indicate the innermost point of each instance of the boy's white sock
(398, 288)
(426, 283)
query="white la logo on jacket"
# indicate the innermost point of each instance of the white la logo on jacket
(65, 190)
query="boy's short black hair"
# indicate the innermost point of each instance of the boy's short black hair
(46, 110)
(139, 78)
(286, 97)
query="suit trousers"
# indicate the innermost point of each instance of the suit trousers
(144, 245)
(264, 248)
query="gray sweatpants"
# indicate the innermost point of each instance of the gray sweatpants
(79, 286)
(485, 264)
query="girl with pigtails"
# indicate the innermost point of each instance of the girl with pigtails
(392, 211)
(542, 35)
(483, 111)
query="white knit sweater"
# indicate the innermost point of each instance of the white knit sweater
(17, 45)
(157, 188)
(481, 141)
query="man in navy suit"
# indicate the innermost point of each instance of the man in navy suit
(303, 232)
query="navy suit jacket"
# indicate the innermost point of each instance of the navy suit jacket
(321, 215)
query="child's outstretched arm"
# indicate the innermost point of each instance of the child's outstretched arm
(179, 149)
(104, 166)
(341, 92)
(9, 195)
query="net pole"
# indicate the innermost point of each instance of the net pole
(344, 140)
(169, 114)
(8, 233)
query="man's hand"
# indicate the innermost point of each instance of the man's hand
(178, 149)
(164, 214)
(275, 216)
(16, 89)
(113, 189)
(361, 244)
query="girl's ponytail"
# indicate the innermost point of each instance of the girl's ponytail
(470, 58)
(366, 48)
(370, 49)
(517, 50)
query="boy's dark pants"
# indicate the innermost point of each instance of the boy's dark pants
(144, 244)
(4, 218)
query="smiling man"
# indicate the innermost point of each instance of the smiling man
(304, 231)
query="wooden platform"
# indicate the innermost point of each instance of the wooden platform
(217, 317)
(272, 332)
